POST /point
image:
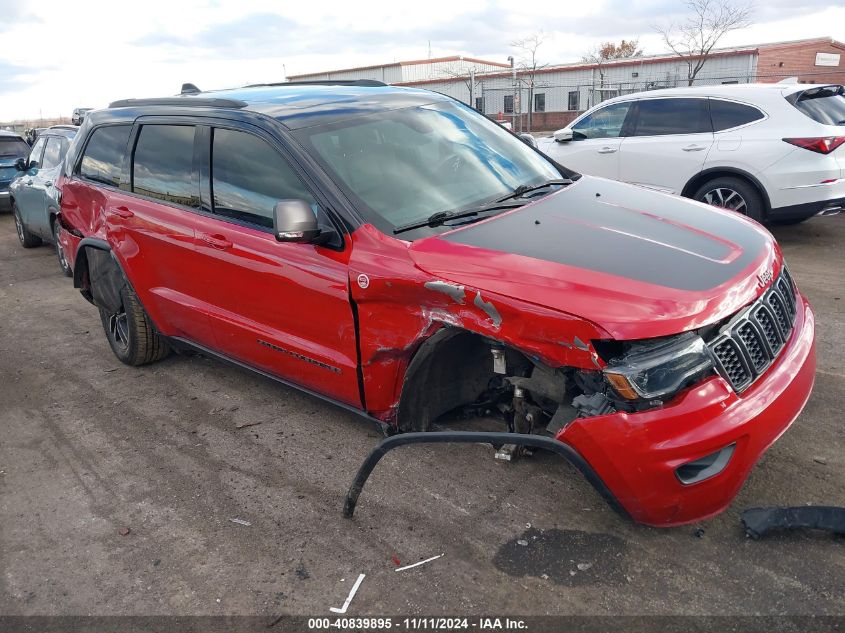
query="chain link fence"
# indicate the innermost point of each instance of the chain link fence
(550, 106)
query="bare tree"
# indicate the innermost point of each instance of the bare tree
(608, 51)
(694, 38)
(528, 64)
(465, 74)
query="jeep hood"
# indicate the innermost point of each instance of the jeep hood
(635, 262)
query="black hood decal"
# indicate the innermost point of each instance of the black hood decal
(627, 231)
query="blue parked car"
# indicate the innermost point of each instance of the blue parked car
(34, 196)
(12, 148)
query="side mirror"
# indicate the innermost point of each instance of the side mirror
(564, 135)
(33, 165)
(295, 221)
(20, 164)
(528, 139)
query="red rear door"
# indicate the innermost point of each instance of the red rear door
(151, 227)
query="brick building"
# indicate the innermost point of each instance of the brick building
(554, 95)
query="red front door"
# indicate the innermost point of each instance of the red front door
(283, 308)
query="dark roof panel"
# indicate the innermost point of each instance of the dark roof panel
(294, 105)
(298, 106)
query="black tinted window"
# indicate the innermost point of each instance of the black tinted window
(163, 164)
(658, 117)
(13, 148)
(825, 105)
(726, 114)
(248, 178)
(54, 152)
(103, 158)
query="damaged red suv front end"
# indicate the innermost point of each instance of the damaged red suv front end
(668, 347)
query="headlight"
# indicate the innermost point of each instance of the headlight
(652, 369)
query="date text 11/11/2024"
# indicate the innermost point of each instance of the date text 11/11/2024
(419, 623)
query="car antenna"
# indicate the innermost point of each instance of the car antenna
(190, 89)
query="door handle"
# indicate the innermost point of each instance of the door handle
(693, 148)
(216, 241)
(28, 182)
(48, 184)
(122, 212)
(607, 150)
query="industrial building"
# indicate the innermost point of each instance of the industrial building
(550, 97)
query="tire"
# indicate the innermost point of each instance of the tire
(131, 334)
(27, 239)
(60, 251)
(733, 194)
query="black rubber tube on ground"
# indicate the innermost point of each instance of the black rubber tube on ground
(476, 437)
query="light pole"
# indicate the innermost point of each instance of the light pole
(513, 103)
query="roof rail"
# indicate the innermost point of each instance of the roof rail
(188, 102)
(366, 83)
(63, 126)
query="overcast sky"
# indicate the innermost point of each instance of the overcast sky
(57, 55)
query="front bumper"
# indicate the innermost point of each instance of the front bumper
(637, 454)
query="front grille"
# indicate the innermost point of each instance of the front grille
(732, 365)
(752, 340)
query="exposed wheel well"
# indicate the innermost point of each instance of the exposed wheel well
(726, 172)
(451, 368)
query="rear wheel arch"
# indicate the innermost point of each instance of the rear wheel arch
(81, 277)
(101, 280)
(713, 173)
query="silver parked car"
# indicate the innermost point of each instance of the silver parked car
(35, 199)
(79, 115)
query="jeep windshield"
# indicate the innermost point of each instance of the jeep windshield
(403, 167)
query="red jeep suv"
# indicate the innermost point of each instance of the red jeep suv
(397, 253)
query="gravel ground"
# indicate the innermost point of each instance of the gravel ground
(118, 487)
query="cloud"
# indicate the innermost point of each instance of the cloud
(16, 14)
(49, 62)
(14, 78)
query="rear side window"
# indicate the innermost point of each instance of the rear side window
(103, 158)
(163, 165)
(13, 148)
(659, 117)
(54, 152)
(248, 178)
(824, 105)
(726, 114)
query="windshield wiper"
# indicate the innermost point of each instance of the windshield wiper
(523, 189)
(441, 217)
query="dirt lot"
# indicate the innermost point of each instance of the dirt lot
(91, 447)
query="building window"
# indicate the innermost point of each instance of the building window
(509, 104)
(540, 102)
(574, 98)
(479, 104)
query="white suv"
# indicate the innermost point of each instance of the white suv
(770, 151)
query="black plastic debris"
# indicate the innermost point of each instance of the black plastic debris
(760, 521)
